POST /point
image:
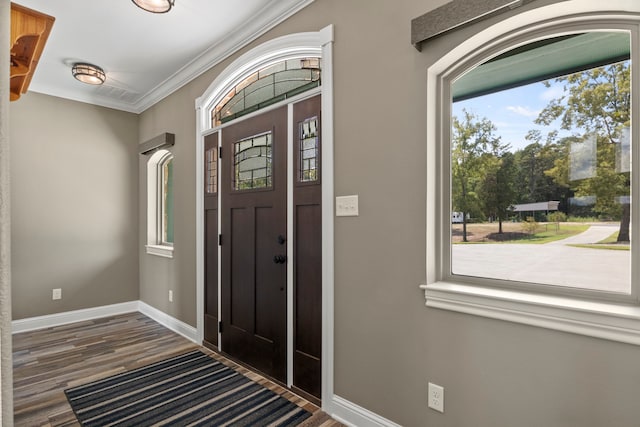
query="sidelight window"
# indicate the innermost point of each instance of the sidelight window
(211, 159)
(309, 150)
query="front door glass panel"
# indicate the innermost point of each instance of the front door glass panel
(252, 163)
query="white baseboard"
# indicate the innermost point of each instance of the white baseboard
(57, 319)
(169, 322)
(352, 415)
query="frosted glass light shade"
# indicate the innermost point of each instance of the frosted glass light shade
(155, 6)
(88, 73)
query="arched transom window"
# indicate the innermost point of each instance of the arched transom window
(267, 86)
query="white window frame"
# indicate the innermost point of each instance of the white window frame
(155, 187)
(571, 311)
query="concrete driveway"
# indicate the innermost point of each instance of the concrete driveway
(552, 263)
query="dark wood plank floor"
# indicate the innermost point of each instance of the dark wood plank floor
(47, 361)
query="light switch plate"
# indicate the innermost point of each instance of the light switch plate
(347, 205)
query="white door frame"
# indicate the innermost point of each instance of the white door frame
(295, 45)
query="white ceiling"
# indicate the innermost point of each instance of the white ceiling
(146, 56)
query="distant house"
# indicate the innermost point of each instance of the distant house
(546, 207)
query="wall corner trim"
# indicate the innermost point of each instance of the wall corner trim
(351, 414)
(169, 322)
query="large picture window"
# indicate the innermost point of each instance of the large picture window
(540, 181)
(531, 209)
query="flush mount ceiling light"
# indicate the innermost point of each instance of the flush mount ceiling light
(88, 73)
(155, 6)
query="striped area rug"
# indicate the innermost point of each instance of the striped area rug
(187, 390)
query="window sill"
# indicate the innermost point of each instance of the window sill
(159, 250)
(616, 322)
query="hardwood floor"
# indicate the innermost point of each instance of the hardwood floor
(47, 361)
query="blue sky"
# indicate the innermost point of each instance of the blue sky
(513, 111)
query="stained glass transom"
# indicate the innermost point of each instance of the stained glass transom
(309, 150)
(212, 170)
(252, 163)
(267, 86)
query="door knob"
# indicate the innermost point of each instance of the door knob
(281, 239)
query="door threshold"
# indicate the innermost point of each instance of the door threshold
(257, 375)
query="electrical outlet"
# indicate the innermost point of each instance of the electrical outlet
(436, 397)
(56, 294)
(170, 296)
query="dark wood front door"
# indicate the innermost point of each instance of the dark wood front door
(254, 242)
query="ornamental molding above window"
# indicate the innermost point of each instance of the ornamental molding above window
(457, 14)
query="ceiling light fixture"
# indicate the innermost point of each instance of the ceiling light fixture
(155, 6)
(88, 73)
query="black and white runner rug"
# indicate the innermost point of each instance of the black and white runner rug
(187, 390)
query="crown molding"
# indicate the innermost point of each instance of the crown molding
(272, 14)
(275, 12)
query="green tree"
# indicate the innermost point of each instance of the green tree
(532, 162)
(473, 145)
(498, 189)
(597, 102)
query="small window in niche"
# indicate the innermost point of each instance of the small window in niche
(166, 204)
(212, 170)
(540, 179)
(309, 150)
(252, 163)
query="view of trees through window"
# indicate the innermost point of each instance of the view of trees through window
(541, 181)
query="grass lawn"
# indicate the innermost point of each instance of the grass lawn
(610, 243)
(601, 246)
(550, 233)
(514, 233)
(611, 239)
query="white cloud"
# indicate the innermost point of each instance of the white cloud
(553, 92)
(523, 111)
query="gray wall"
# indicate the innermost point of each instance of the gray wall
(388, 345)
(159, 275)
(74, 172)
